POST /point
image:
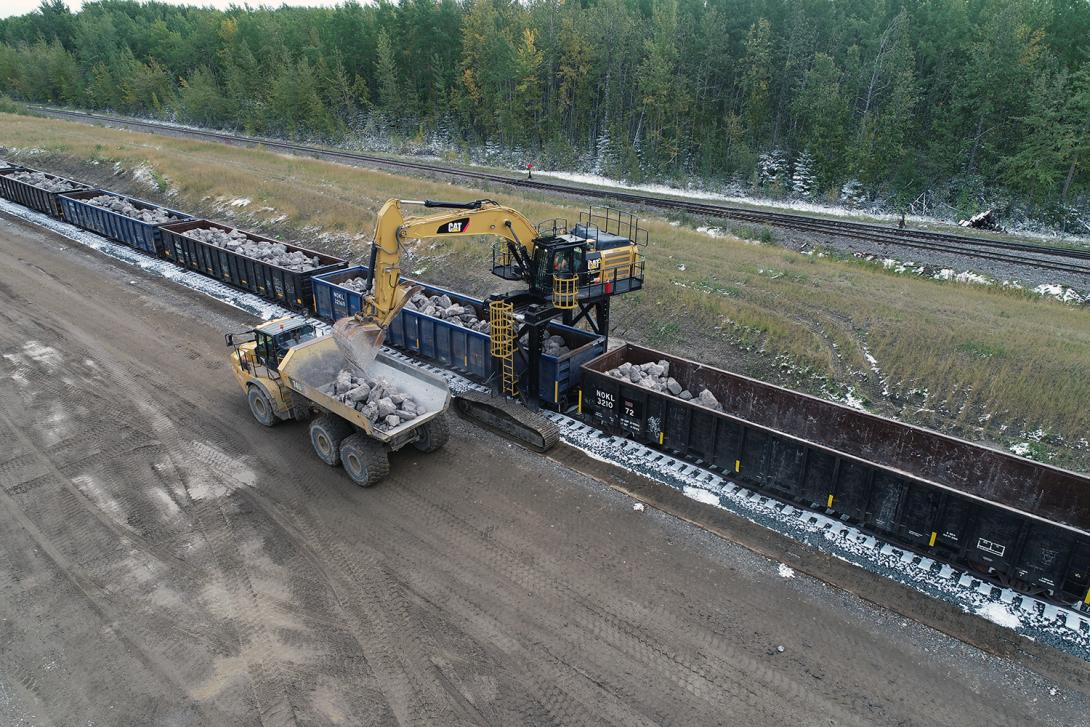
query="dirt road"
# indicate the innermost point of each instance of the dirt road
(166, 560)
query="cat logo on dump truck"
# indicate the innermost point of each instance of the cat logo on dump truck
(453, 227)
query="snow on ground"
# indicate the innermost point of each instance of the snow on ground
(999, 614)
(244, 301)
(786, 571)
(1065, 629)
(692, 192)
(1062, 293)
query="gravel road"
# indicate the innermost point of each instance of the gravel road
(164, 560)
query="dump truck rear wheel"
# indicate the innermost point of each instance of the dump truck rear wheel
(433, 435)
(364, 460)
(261, 407)
(326, 433)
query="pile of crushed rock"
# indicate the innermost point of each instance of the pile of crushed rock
(151, 216)
(273, 253)
(46, 182)
(382, 403)
(656, 376)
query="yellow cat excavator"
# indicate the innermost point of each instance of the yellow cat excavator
(569, 274)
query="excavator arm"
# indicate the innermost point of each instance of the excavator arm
(361, 336)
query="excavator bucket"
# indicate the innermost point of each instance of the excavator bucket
(360, 336)
(359, 340)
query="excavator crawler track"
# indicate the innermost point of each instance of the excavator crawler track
(508, 419)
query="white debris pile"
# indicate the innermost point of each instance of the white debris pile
(384, 405)
(45, 182)
(656, 376)
(273, 253)
(151, 216)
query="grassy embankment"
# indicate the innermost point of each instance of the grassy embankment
(988, 364)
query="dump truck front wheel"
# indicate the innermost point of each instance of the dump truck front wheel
(364, 460)
(433, 435)
(326, 434)
(261, 407)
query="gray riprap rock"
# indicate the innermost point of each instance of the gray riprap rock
(685, 395)
(113, 203)
(46, 182)
(392, 421)
(708, 399)
(634, 375)
(360, 393)
(654, 370)
(673, 386)
(386, 407)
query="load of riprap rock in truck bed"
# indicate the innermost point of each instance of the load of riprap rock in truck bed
(656, 377)
(46, 182)
(273, 253)
(151, 216)
(382, 403)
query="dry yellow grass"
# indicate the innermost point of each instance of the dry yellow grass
(982, 362)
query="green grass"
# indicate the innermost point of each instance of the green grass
(984, 362)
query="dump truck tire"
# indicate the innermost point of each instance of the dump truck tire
(326, 434)
(261, 407)
(364, 460)
(433, 435)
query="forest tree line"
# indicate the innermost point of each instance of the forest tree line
(959, 99)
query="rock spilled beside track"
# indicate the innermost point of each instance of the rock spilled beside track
(273, 253)
(46, 182)
(656, 376)
(382, 403)
(151, 215)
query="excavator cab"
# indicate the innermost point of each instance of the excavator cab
(599, 257)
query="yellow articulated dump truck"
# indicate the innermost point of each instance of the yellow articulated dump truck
(356, 416)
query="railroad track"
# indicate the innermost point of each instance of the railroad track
(1064, 260)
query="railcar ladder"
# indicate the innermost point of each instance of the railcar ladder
(501, 319)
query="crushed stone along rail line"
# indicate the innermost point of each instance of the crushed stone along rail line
(1065, 629)
(1057, 259)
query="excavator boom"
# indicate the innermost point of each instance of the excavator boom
(360, 337)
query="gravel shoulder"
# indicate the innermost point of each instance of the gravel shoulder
(166, 560)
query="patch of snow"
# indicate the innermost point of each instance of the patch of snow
(1021, 449)
(711, 231)
(1061, 293)
(786, 571)
(45, 355)
(997, 613)
(266, 310)
(852, 400)
(240, 202)
(701, 495)
(963, 277)
(638, 507)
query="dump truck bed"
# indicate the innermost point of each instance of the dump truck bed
(311, 368)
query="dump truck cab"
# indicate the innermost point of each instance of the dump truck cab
(256, 365)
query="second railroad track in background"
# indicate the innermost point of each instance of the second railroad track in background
(1060, 259)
